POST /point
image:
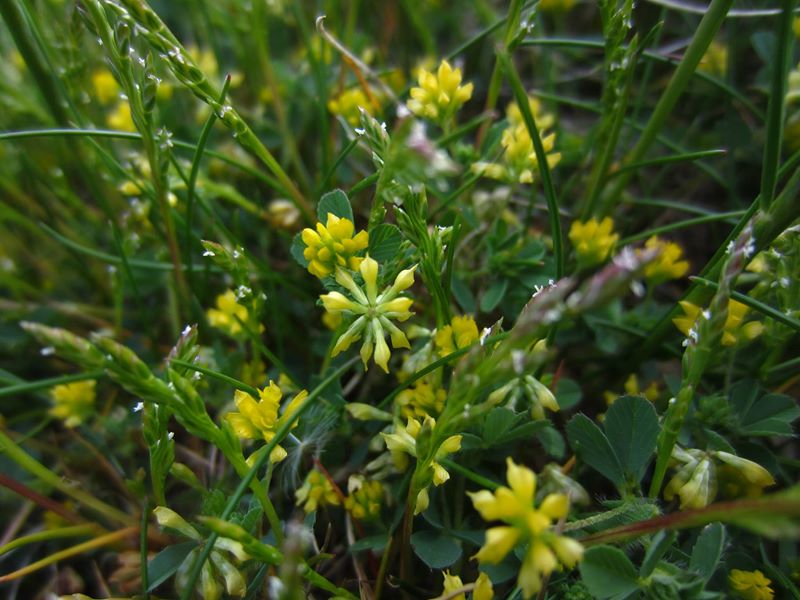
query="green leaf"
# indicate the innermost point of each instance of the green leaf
(384, 242)
(296, 250)
(552, 441)
(371, 542)
(708, 550)
(631, 426)
(568, 393)
(662, 541)
(493, 295)
(608, 572)
(463, 295)
(497, 423)
(336, 203)
(166, 562)
(436, 549)
(772, 414)
(592, 447)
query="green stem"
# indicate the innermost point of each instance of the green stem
(521, 97)
(680, 225)
(50, 534)
(233, 502)
(34, 386)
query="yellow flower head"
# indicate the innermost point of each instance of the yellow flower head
(520, 164)
(333, 245)
(734, 331)
(593, 240)
(365, 498)
(525, 523)
(260, 419)
(205, 59)
(403, 441)
(668, 264)
(439, 96)
(224, 316)
(73, 403)
(373, 311)
(715, 60)
(482, 590)
(348, 103)
(105, 86)
(750, 585)
(120, 118)
(460, 333)
(316, 491)
(420, 401)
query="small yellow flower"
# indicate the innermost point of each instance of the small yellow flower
(439, 96)
(482, 589)
(333, 245)
(734, 331)
(260, 419)
(348, 103)
(283, 214)
(525, 523)
(420, 401)
(520, 164)
(632, 389)
(223, 317)
(205, 59)
(120, 118)
(365, 498)
(537, 393)
(105, 86)
(593, 240)
(668, 264)
(715, 60)
(556, 6)
(403, 441)
(373, 311)
(460, 333)
(73, 403)
(316, 491)
(750, 585)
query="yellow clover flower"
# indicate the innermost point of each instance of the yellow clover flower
(668, 264)
(224, 315)
(750, 585)
(593, 240)
(696, 478)
(460, 333)
(105, 86)
(734, 331)
(73, 403)
(420, 401)
(715, 60)
(439, 96)
(259, 419)
(632, 388)
(348, 103)
(333, 245)
(120, 118)
(482, 589)
(525, 524)
(316, 491)
(365, 497)
(403, 441)
(372, 310)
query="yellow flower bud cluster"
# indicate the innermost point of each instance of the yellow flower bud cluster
(403, 443)
(668, 264)
(698, 473)
(333, 245)
(525, 523)
(460, 333)
(482, 589)
(593, 240)
(750, 585)
(260, 419)
(735, 331)
(73, 403)
(373, 311)
(422, 400)
(365, 498)
(316, 491)
(224, 316)
(349, 104)
(520, 164)
(439, 96)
